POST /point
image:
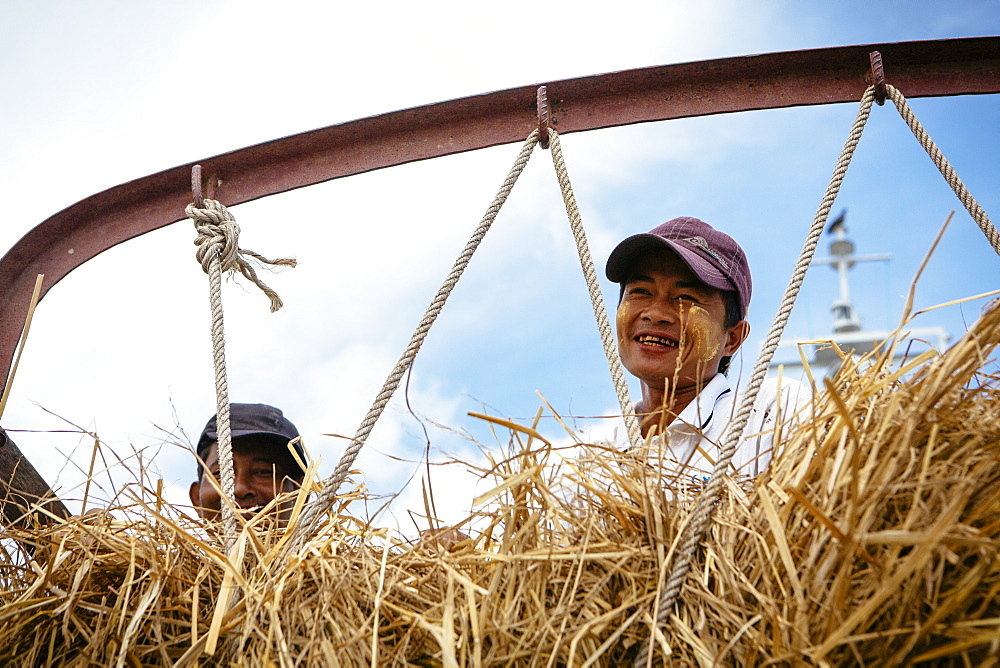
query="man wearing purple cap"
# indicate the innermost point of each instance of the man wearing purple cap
(263, 463)
(685, 289)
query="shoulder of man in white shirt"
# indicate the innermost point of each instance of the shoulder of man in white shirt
(778, 406)
(716, 406)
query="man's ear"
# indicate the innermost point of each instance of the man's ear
(194, 492)
(735, 336)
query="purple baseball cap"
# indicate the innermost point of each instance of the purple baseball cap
(713, 256)
(252, 420)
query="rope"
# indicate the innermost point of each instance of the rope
(327, 497)
(218, 251)
(593, 287)
(695, 529)
(218, 236)
(968, 201)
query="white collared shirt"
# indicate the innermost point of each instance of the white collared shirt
(691, 444)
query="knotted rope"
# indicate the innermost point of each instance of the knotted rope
(695, 529)
(314, 512)
(968, 201)
(218, 251)
(594, 288)
(218, 238)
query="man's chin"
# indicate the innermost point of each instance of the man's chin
(246, 514)
(260, 516)
(661, 365)
(250, 513)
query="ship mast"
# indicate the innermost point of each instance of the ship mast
(846, 330)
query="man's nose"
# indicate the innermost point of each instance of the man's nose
(661, 310)
(242, 488)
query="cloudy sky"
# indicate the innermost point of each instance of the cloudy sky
(98, 93)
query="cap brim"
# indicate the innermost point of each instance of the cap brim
(209, 437)
(212, 436)
(628, 252)
(237, 433)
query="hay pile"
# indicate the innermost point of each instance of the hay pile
(873, 539)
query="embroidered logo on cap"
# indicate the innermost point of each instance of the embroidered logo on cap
(702, 244)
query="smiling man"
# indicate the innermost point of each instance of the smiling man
(263, 465)
(685, 289)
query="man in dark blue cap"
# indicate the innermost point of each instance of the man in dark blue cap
(685, 290)
(263, 463)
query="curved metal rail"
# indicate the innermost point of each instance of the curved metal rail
(795, 78)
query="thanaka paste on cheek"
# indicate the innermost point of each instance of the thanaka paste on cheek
(706, 334)
(621, 322)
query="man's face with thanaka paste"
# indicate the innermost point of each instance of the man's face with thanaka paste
(671, 325)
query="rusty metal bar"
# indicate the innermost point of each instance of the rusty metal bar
(795, 78)
(25, 497)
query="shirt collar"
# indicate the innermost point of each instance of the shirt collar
(698, 414)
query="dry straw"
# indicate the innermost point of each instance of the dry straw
(873, 539)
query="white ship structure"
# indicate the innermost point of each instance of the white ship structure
(846, 331)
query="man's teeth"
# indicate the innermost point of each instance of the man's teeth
(657, 341)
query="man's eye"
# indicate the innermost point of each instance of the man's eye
(638, 291)
(688, 298)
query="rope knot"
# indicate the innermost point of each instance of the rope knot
(218, 240)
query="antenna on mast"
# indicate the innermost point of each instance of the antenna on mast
(846, 330)
(843, 259)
